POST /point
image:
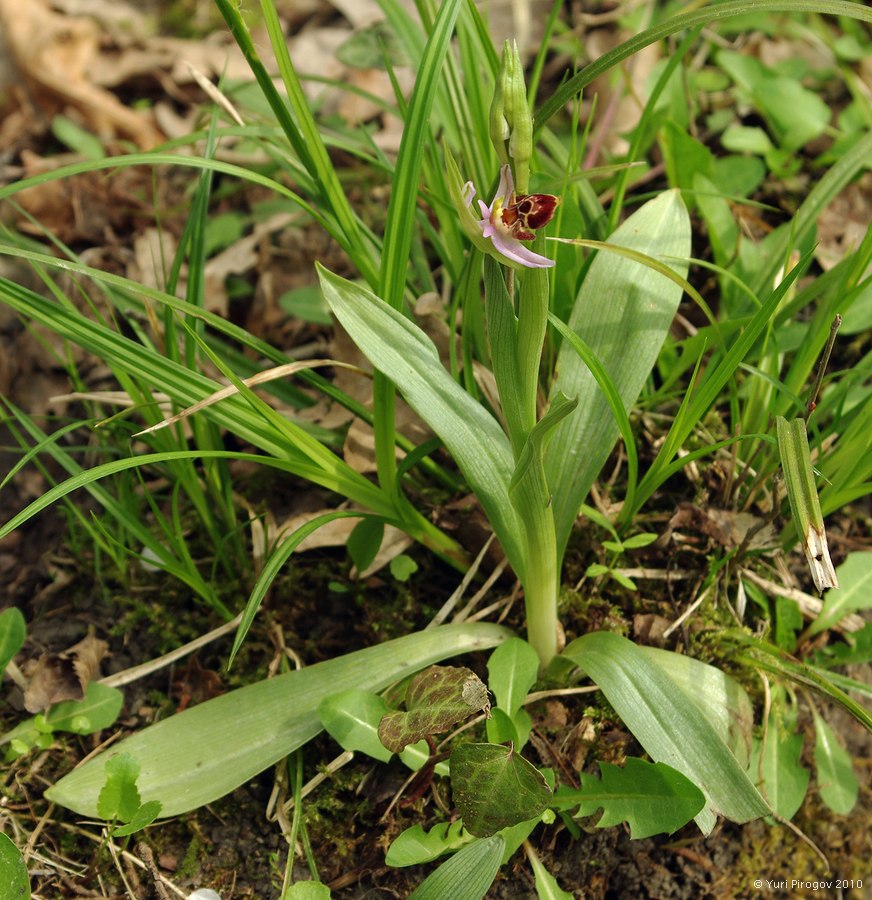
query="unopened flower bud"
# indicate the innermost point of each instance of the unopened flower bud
(511, 123)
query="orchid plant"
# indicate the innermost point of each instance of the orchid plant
(530, 454)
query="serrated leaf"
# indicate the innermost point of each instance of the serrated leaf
(119, 797)
(13, 871)
(415, 845)
(352, 718)
(494, 787)
(437, 699)
(837, 781)
(13, 631)
(512, 670)
(854, 592)
(467, 875)
(652, 798)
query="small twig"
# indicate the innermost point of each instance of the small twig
(687, 613)
(147, 668)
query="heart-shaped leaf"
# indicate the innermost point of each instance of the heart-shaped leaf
(494, 786)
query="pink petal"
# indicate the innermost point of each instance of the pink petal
(507, 184)
(517, 252)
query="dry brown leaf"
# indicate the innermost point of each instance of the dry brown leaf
(336, 533)
(66, 675)
(54, 54)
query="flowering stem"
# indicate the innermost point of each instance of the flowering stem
(516, 347)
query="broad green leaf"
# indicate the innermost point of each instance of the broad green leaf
(722, 700)
(837, 781)
(467, 875)
(512, 670)
(494, 787)
(351, 719)
(119, 796)
(13, 872)
(854, 592)
(98, 709)
(652, 797)
(399, 349)
(670, 727)
(415, 845)
(623, 313)
(191, 758)
(501, 729)
(776, 760)
(437, 699)
(13, 631)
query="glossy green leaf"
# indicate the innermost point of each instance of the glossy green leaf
(837, 781)
(494, 787)
(98, 709)
(351, 718)
(398, 348)
(364, 542)
(415, 845)
(652, 797)
(785, 780)
(512, 670)
(13, 873)
(467, 875)
(853, 593)
(668, 724)
(623, 313)
(205, 752)
(13, 631)
(436, 700)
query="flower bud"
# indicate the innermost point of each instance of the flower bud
(511, 123)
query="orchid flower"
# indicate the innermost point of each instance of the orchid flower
(511, 219)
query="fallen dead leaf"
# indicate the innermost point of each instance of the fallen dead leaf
(66, 675)
(54, 54)
(336, 534)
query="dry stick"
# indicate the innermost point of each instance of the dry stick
(147, 668)
(459, 591)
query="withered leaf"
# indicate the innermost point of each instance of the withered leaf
(64, 676)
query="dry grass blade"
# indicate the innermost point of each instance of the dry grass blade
(267, 375)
